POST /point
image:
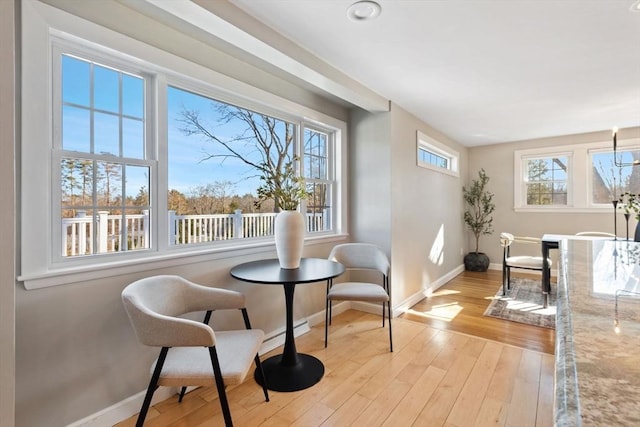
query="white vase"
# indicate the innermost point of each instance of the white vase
(289, 236)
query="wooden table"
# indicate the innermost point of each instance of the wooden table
(290, 371)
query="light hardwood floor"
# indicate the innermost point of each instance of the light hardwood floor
(436, 376)
(459, 306)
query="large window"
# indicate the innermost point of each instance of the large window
(218, 153)
(146, 158)
(581, 177)
(103, 174)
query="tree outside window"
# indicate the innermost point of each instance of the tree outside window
(546, 180)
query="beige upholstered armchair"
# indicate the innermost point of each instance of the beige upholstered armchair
(191, 354)
(360, 256)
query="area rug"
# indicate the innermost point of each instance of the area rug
(523, 303)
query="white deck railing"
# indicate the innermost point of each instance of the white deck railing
(78, 232)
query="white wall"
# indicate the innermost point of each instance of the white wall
(8, 212)
(412, 213)
(427, 209)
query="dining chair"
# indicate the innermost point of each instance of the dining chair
(510, 261)
(360, 256)
(191, 354)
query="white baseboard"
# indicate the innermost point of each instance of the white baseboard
(124, 409)
(427, 290)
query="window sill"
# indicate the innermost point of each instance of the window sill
(68, 275)
(562, 210)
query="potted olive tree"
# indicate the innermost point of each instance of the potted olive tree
(478, 219)
(286, 188)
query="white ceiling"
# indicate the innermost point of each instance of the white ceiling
(483, 71)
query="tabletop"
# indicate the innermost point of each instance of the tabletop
(598, 334)
(268, 271)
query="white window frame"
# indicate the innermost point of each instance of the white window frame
(426, 143)
(330, 181)
(522, 196)
(579, 178)
(39, 268)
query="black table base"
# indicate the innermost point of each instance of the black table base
(280, 377)
(290, 371)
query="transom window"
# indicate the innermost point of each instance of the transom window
(431, 154)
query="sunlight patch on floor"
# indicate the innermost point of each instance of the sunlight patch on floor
(444, 292)
(446, 312)
(529, 307)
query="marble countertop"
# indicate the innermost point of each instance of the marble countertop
(598, 334)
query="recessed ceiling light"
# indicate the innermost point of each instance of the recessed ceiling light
(635, 7)
(363, 10)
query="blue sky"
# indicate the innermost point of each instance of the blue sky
(186, 153)
(187, 169)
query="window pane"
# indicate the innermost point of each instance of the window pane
(106, 134)
(217, 153)
(137, 186)
(609, 181)
(78, 228)
(136, 235)
(76, 84)
(547, 180)
(76, 183)
(428, 157)
(106, 89)
(109, 184)
(315, 154)
(318, 207)
(76, 129)
(132, 138)
(132, 96)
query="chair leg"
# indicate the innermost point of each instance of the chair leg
(263, 378)
(183, 390)
(222, 395)
(153, 385)
(247, 324)
(327, 318)
(390, 337)
(504, 280)
(383, 314)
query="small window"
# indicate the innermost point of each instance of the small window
(546, 180)
(434, 155)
